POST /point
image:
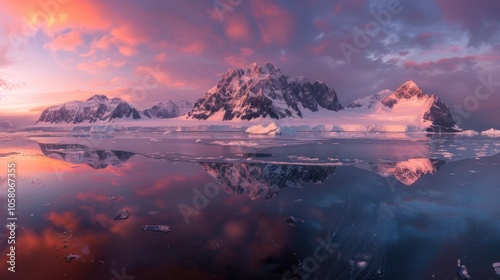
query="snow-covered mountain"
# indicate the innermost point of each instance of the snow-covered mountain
(81, 154)
(101, 109)
(96, 108)
(263, 91)
(410, 101)
(163, 110)
(407, 172)
(371, 100)
(264, 180)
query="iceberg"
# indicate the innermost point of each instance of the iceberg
(271, 129)
(294, 220)
(491, 132)
(468, 133)
(156, 228)
(71, 257)
(496, 266)
(123, 215)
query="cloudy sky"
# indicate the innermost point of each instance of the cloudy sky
(52, 51)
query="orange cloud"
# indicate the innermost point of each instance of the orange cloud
(100, 64)
(66, 42)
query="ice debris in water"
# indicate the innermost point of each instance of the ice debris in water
(123, 215)
(496, 266)
(71, 257)
(157, 228)
(199, 141)
(462, 271)
(113, 197)
(294, 220)
(473, 171)
(152, 212)
(47, 204)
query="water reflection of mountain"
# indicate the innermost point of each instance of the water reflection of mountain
(265, 180)
(80, 154)
(407, 171)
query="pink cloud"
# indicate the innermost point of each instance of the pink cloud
(246, 51)
(444, 64)
(100, 64)
(238, 28)
(275, 23)
(69, 41)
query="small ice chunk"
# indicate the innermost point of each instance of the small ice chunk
(157, 228)
(452, 174)
(496, 266)
(294, 220)
(462, 271)
(71, 257)
(152, 212)
(47, 204)
(473, 171)
(198, 141)
(123, 215)
(298, 200)
(113, 197)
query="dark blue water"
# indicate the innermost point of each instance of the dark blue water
(373, 208)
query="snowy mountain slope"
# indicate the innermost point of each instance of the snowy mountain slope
(262, 91)
(96, 108)
(163, 110)
(371, 100)
(407, 104)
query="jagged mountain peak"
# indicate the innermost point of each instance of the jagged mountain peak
(408, 90)
(99, 98)
(263, 91)
(257, 69)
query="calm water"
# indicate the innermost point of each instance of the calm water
(364, 208)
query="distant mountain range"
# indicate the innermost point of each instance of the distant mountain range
(100, 108)
(262, 91)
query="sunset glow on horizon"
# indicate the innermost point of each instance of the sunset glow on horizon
(54, 51)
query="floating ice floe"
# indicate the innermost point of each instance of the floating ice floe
(103, 129)
(496, 266)
(123, 215)
(468, 133)
(152, 212)
(491, 132)
(47, 204)
(462, 271)
(271, 129)
(156, 228)
(71, 257)
(294, 220)
(113, 197)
